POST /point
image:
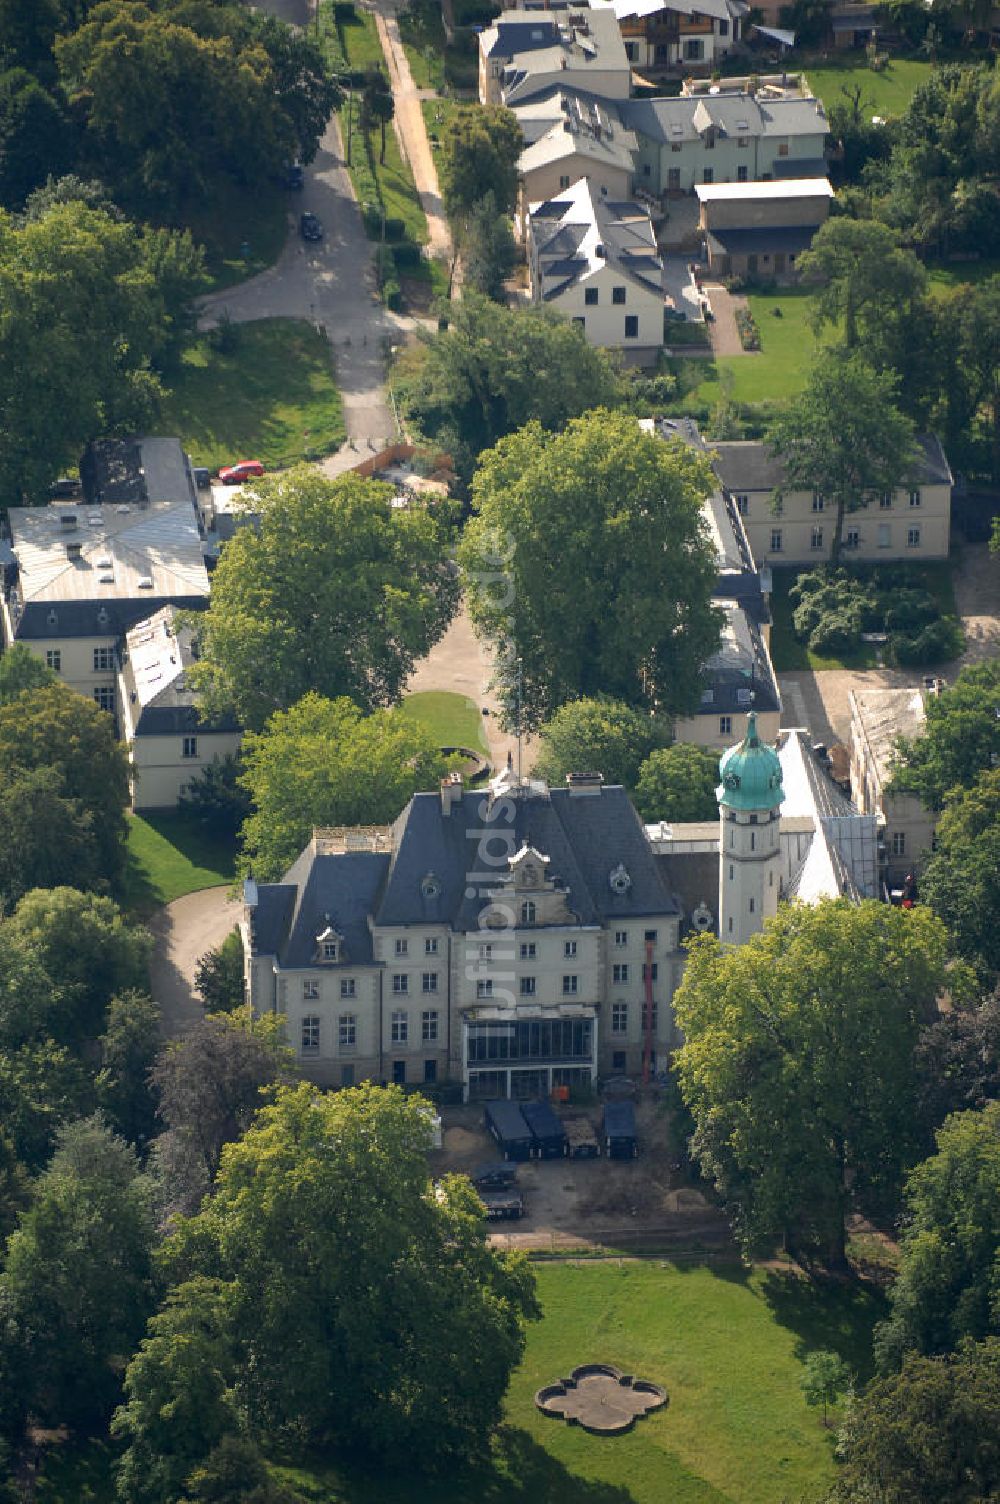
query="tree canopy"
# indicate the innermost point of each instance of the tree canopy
(960, 740)
(844, 436)
(678, 783)
(948, 1285)
(587, 560)
(324, 763)
(479, 151)
(798, 1065)
(961, 879)
(365, 1310)
(494, 369)
(336, 592)
(597, 736)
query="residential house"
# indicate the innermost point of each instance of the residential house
(760, 229)
(913, 521)
(571, 136)
(729, 137)
(168, 741)
(671, 34)
(513, 939)
(525, 53)
(906, 826)
(77, 576)
(597, 262)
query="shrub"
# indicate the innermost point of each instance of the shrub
(938, 642)
(395, 228)
(407, 254)
(392, 294)
(385, 265)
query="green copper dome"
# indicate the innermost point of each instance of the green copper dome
(750, 773)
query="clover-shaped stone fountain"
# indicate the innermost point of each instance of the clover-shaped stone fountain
(601, 1399)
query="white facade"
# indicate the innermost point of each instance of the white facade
(749, 872)
(906, 825)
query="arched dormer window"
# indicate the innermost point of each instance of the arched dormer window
(528, 911)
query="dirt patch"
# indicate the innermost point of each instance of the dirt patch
(418, 295)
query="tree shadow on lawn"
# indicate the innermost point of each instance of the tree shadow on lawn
(825, 1311)
(521, 1472)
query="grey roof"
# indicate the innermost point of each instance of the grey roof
(156, 658)
(136, 470)
(787, 240)
(747, 465)
(783, 168)
(693, 878)
(319, 890)
(592, 235)
(687, 118)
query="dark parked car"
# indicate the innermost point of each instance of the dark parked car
(494, 1177)
(503, 1206)
(202, 477)
(295, 178)
(310, 227)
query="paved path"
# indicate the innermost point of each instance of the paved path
(722, 328)
(182, 933)
(411, 132)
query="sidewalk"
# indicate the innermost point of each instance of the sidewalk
(411, 132)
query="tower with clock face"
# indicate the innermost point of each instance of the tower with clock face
(750, 797)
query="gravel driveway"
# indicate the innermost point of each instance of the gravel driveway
(182, 933)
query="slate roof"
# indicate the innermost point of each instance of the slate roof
(316, 891)
(577, 234)
(688, 118)
(156, 658)
(747, 465)
(693, 878)
(136, 470)
(788, 240)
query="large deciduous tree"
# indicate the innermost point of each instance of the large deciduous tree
(948, 1286)
(961, 880)
(798, 1065)
(479, 152)
(587, 560)
(678, 783)
(336, 592)
(844, 436)
(324, 763)
(496, 368)
(78, 1285)
(367, 1310)
(601, 736)
(34, 136)
(960, 740)
(930, 1432)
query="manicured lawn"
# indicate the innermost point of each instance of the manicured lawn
(437, 113)
(887, 92)
(273, 398)
(255, 218)
(453, 720)
(170, 855)
(787, 343)
(359, 36)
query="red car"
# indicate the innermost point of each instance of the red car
(232, 475)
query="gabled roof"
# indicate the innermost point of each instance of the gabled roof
(318, 891)
(690, 117)
(157, 656)
(748, 465)
(577, 234)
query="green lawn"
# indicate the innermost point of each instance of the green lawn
(170, 855)
(359, 37)
(788, 345)
(274, 398)
(391, 180)
(255, 218)
(421, 30)
(453, 720)
(437, 113)
(944, 278)
(887, 92)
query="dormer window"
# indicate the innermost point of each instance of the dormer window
(330, 950)
(328, 944)
(619, 880)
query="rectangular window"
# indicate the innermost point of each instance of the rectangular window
(884, 535)
(347, 1075)
(189, 746)
(53, 659)
(776, 540)
(899, 843)
(431, 946)
(485, 988)
(631, 326)
(348, 987)
(104, 696)
(429, 981)
(751, 906)
(430, 1072)
(579, 319)
(817, 501)
(526, 986)
(619, 1018)
(647, 1021)
(329, 950)
(528, 949)
(104, 660)
(653, 969)
(590, 296)
(885, 500)
(399, 1073)
(402, 947)
(486, 953)
(783, 149)
(694, 49)
(619, 972)
(725, 725)
(618, 295)
(400, 982)
(914, 498)
(741, 173)
(708, 176)
(564, 181)
(650, 937)
(913, 537)
(816, 538)
(743, 505)
(621, 938)
(674, 176)
(310, 990)
(429, 1026)
(569, 948)
(310, 1034)
(723, 28)
(400, 1024)
(570, 986)
(347, 1030)
(618, 1059)
(852, 538)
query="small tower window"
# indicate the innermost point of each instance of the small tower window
(753, 840)
(527, 912)
(751, 906)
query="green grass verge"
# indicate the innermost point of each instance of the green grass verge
(169, 855)
(359, 38)
(437, 113)
(788, 347)
(388, 184)
(421, 30)
(255, 218)
(453, 720)
(887, 92)
(273, 398)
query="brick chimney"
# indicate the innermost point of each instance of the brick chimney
(584, 783)
(451, 792)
